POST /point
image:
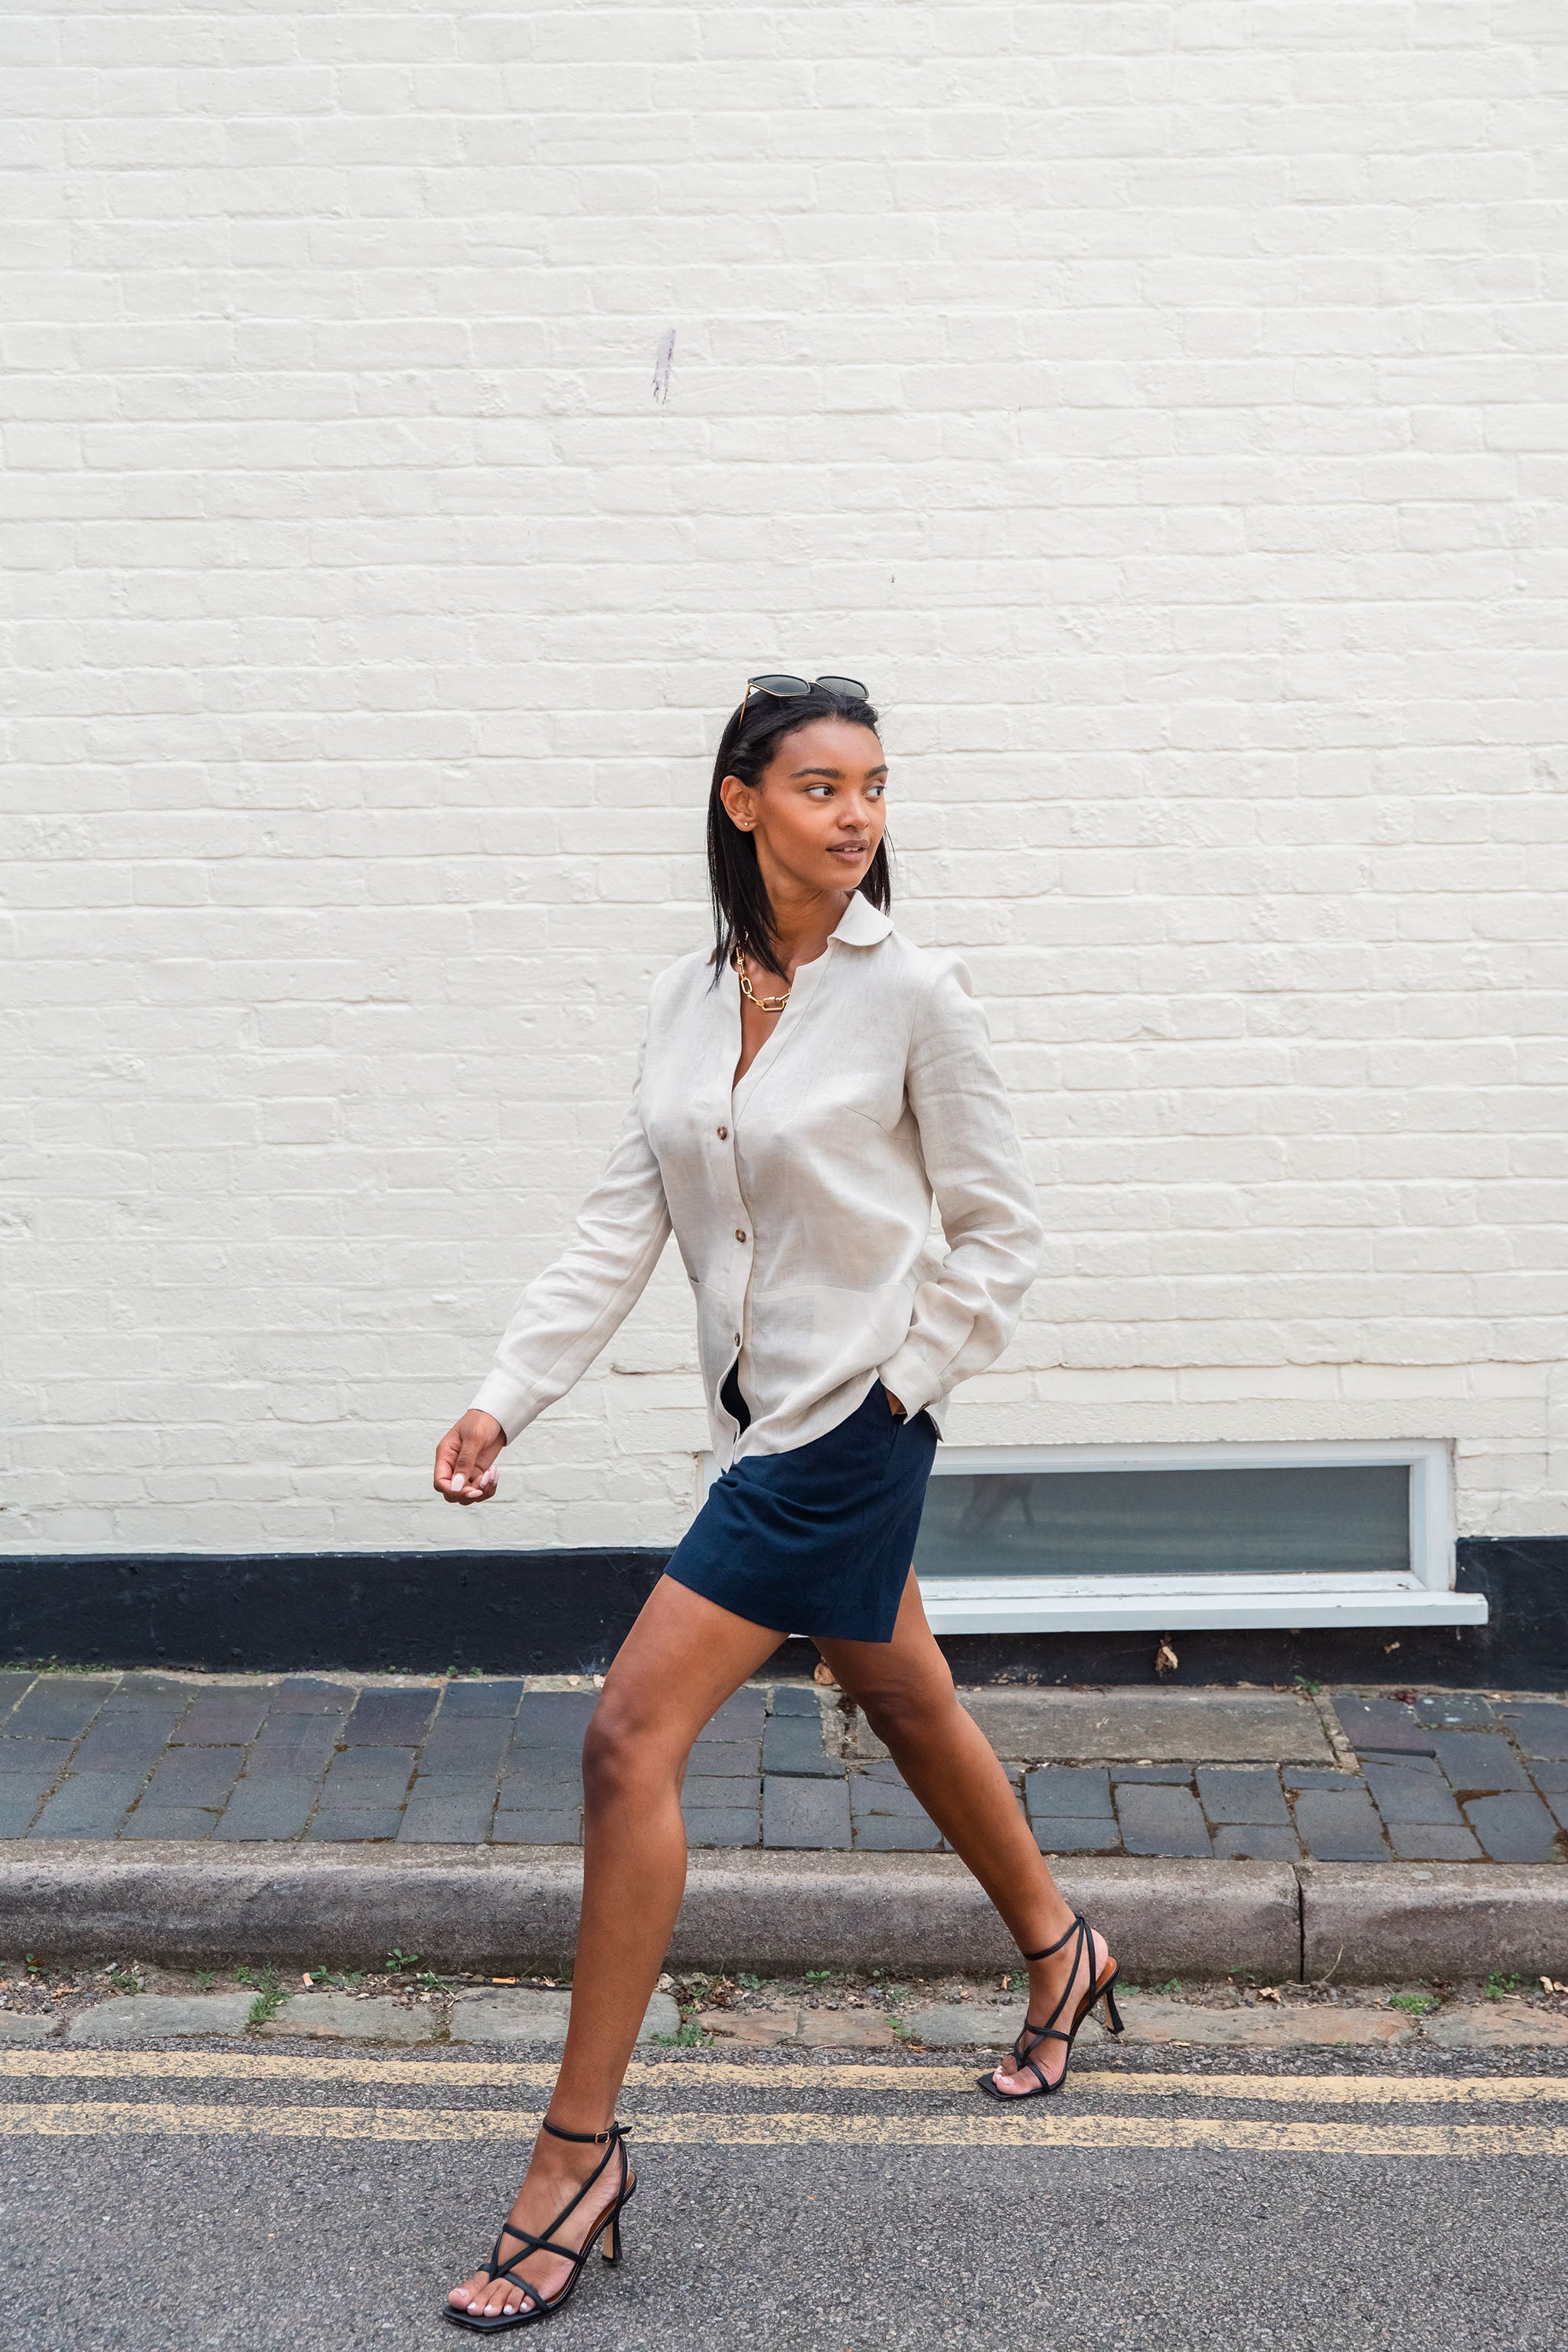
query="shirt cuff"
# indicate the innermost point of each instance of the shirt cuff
(908, 1376)
(505, 1402)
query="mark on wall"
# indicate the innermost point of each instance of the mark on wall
(663, 362)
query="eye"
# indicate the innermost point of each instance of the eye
(876, 791)
(815, 791)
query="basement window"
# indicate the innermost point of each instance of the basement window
(1162, 1539)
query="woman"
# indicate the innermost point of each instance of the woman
(804, 1093)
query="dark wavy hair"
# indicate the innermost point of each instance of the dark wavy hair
(742, 911)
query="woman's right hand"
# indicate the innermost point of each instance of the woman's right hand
(466, 1456)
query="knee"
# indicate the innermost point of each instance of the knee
(621, 1752)
(902, 1712)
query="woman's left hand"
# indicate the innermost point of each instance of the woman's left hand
(897, 1404)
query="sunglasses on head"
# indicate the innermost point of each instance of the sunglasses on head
(780, 682)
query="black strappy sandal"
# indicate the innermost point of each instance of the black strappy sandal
(1031, 2038)
(536, 2306)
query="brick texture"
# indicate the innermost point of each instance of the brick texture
(1161, 406)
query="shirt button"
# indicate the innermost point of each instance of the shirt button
(737, 1339)
(740, 1232)
(723, 1135)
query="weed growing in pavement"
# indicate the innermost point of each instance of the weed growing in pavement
(817, 1976)
(1174, 1985)
(1419, 2004)
(1305, 1683)
(687, 2036)
(269, 1995)
(397, 1960)
(342, 1980)
(124, 1980)
(1499, 1986)
(753, 1984)
(206, 1979)
(35, 1967)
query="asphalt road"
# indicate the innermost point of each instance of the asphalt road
(170, 2201)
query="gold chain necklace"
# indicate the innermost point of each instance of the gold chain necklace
(762, 1004)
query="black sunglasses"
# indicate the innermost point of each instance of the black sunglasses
(778, 682)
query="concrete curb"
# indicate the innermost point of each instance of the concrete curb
(1444, 1919)
(516, 1910)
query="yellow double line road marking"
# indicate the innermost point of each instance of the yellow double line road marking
(1033, 2124)
(442, 2074)
(1031, 2129)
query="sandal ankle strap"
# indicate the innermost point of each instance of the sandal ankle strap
(588, 2139)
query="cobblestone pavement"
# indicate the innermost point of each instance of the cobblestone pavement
(1435, 1775)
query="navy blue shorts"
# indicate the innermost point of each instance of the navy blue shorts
(818, 1540)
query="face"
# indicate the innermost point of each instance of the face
(818, 814)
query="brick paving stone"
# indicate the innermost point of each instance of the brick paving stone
(1556, 1803)
(729, 1759)
(1482, 1762)
(750, 2028)
(1155, 1776)
(1515, 1827)
(1540, 1729)
(390, 1719)
(846, 2029)
(792, 1744)
(1497, 2025)
(31, 1765)
(1256, 1841)
(703, 1789)
(806, 1811)
(159, 2016)
(1382, 1725)
(1161, 1820)
(270, 1805)
(1056, 1833)
(357, 1824)
(1149, 2019)
(477, 1744)
(224, 1718)
(495, 1695)
(711, 1825)
(16, 2025)
(196, 1776)
(449, 1809)
(1402, 1793)
(741, 1717)
(1076, 1792)
(1547, 1773)
(14, 1685)
(58, 1706)
(1294, 1778)
(897, 1834)
(89, 1805)
(171, 1821)
(344, 2017)
(525, 2015)
(1433, 1841)
(553, 1718)
(369, 1776)
(307, 1694)
(16, 1811)
(144, 1686)
(1340, 1825)
(536, 1827)
(123, 1743)
(794, 1699)
(1455, 1708)
(1230, 1794)
(964, 2025)
(296, 1743)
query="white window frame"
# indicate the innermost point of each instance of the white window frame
(1422, 1595)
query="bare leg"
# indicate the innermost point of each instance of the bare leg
(680, 1662)
(906, 1691)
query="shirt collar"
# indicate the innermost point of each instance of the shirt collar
(860, 925)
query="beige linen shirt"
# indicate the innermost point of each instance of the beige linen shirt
(801, 1198)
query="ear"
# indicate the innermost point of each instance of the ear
(740, 802)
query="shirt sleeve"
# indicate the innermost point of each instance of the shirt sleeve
(963, 1318)
(567, 1314)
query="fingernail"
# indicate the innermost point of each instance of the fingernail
(457, 1480)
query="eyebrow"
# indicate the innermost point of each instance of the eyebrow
(836, 774)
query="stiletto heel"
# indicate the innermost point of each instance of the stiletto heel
(1081, 1936)
(605, 2233)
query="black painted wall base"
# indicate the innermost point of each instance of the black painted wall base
(567, 1612)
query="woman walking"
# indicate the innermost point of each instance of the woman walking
(803, 1094)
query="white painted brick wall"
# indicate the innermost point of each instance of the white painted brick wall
(1164, 405)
